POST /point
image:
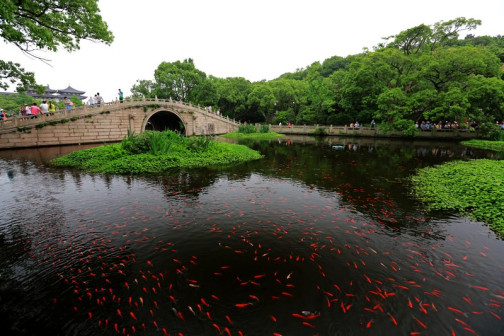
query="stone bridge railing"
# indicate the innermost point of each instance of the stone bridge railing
(448, 134)
(16, 122)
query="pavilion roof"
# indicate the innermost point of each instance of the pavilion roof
(71, 91)
(49, 90)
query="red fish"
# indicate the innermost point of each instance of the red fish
(420, 323)
(393, 319)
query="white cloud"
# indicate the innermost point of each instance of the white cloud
(256, 40)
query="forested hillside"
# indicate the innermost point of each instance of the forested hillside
(423, 73)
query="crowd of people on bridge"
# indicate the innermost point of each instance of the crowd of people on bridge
(33, 111)
(97, 100)
(427, 125)
(454, 125)
(210, 109)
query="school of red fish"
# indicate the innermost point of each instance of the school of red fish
(201, 263)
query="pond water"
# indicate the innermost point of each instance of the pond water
(311, 240)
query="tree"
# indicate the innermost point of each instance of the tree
(177, 79)
(11, 103)
(144, 88)
(453, 66)
(423, 37)
(289, 95)
(260, 103)
(412, 40)
(486, 98)
(33, 25)
(205, 93)
(319, 98)
(233, 93)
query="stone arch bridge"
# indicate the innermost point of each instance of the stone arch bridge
(110, 122)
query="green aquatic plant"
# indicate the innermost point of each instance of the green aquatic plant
(319, 132)
(247, 129)
(199, 143)
(26, 129)
(41, 125)
(264, 128)
(253, 136)
(475, 188)
(497, 146)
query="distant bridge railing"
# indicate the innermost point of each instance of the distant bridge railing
(373, 131)
(15, 122)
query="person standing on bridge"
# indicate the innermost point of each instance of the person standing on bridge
(98, 99)
(52, 108)
(44, 108)
(68, 104)
(121, 96)
(34, 110)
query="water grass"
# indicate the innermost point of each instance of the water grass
(497, 146)
(475, 188)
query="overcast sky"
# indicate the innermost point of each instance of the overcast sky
(259, 39)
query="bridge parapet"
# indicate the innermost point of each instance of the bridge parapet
(109, 122)
(16, 122)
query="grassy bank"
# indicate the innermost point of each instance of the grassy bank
(473, 187)
(254, 136)
(261, 132)
(497, 146)
(156, 152)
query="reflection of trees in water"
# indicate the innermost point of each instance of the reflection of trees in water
(369, 174)
(189, 183)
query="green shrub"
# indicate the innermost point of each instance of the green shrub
(160, 142)
(136, 144)
(154, 142)
(247, 129)
(264, 129)
(199, 143)
(496, 135)
(319, 131)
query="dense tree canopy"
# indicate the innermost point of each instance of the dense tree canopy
(423, 73)
(49, 25)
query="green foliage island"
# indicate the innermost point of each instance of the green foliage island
(473, 187)
(254, 133)
(156, 152)
(497, 146)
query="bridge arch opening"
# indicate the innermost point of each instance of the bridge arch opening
(164, 121)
